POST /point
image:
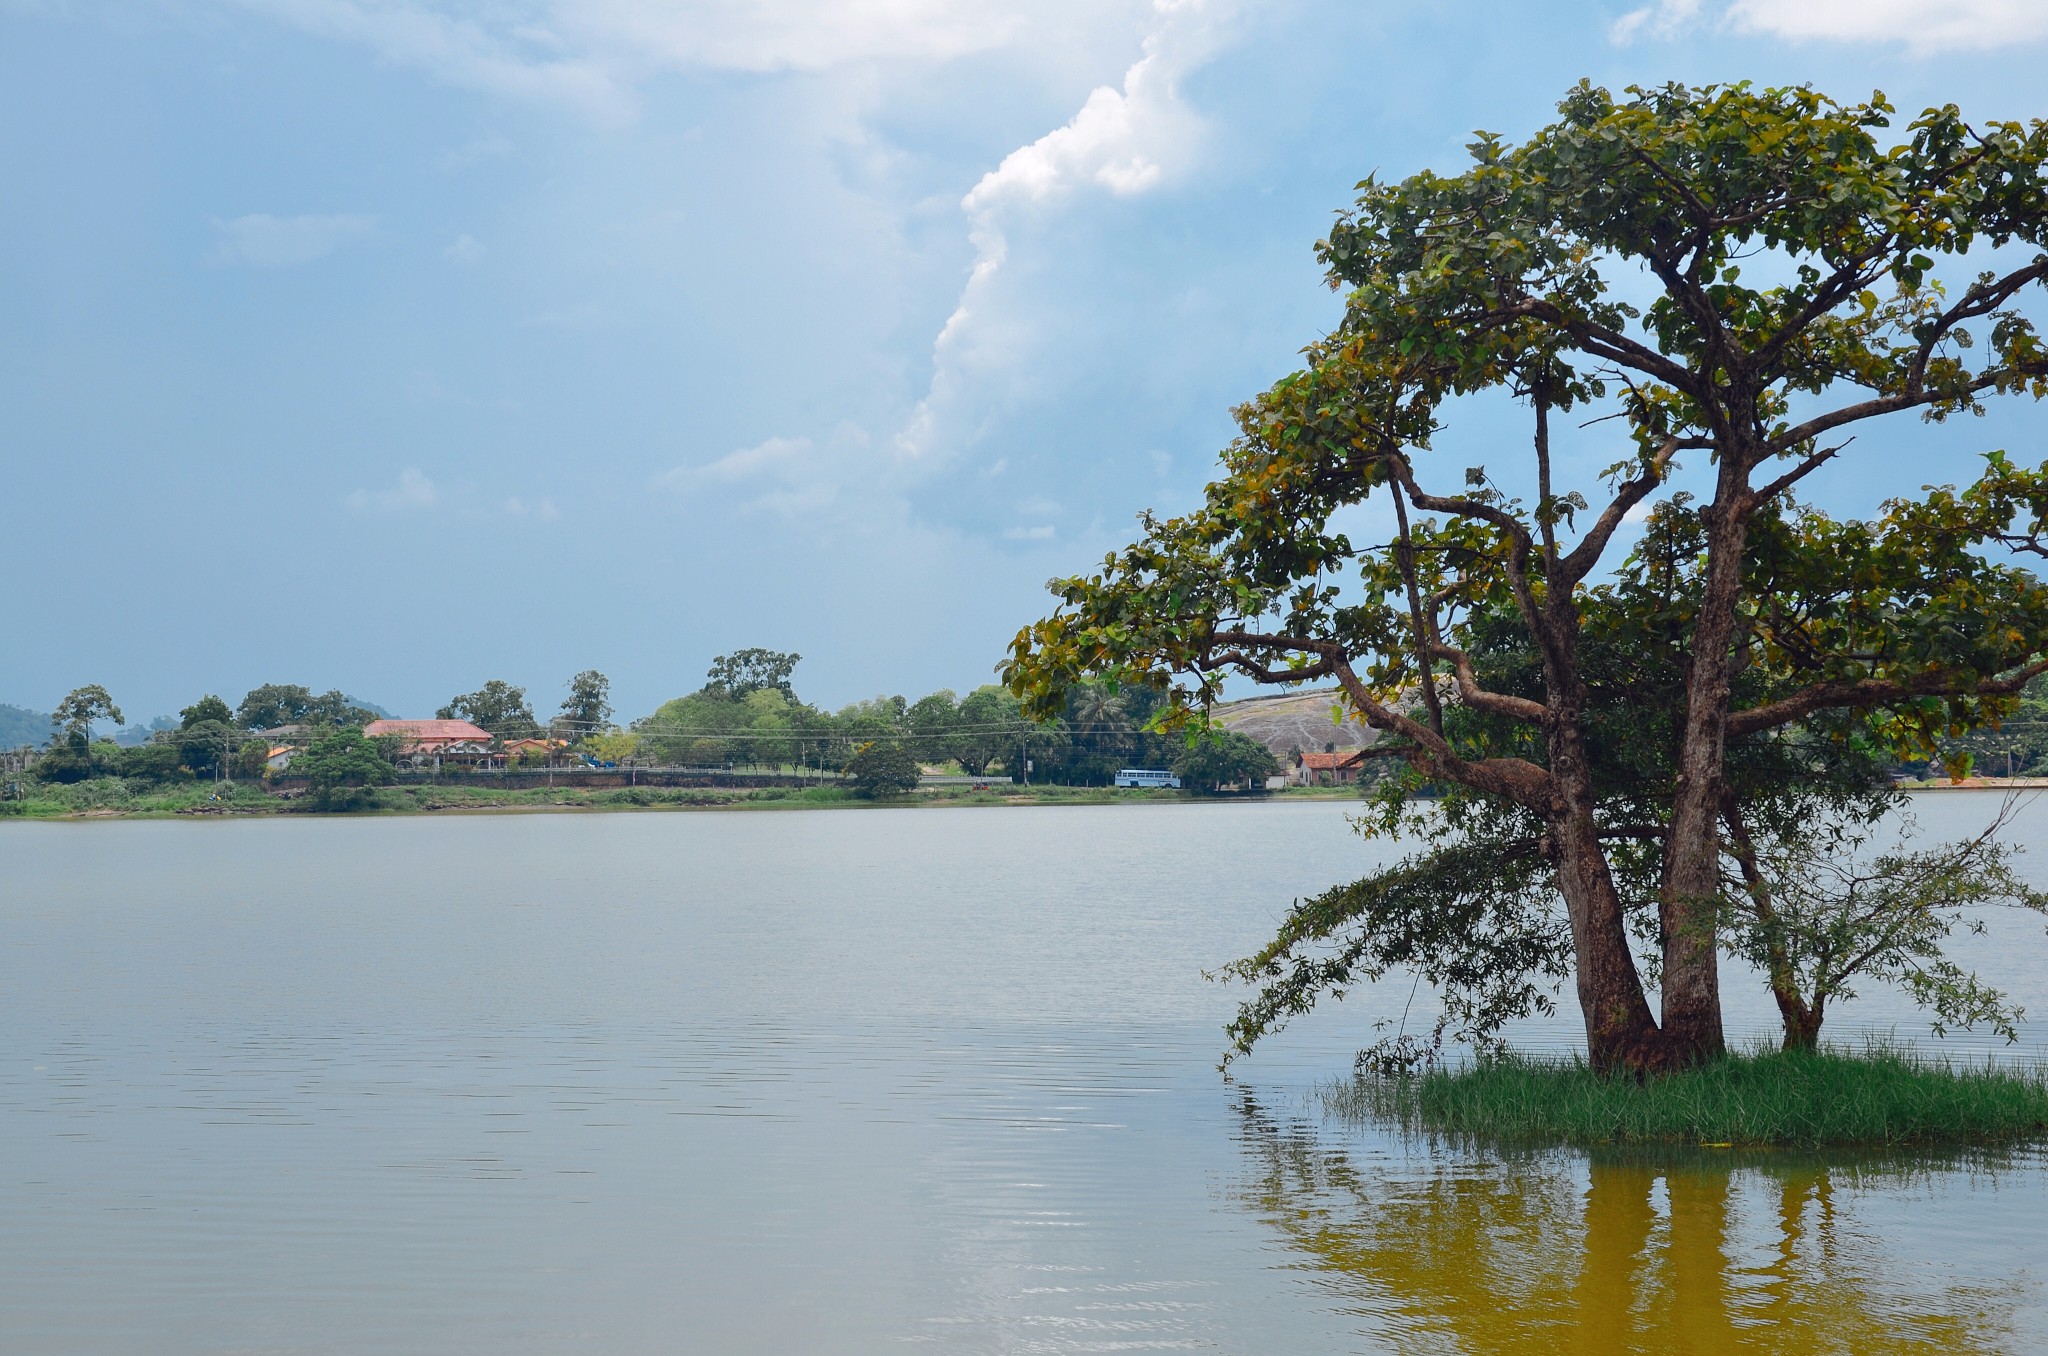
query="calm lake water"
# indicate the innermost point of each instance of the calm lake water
(847, 1082)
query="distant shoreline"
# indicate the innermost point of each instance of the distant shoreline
(415, 801)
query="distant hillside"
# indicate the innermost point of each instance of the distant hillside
(139, 732)
(19, 725)
(1294, 720)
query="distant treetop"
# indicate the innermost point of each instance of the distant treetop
(745, 671)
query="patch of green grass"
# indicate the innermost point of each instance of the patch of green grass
(1880, 1096)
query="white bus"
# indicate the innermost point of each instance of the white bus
(1145, 776)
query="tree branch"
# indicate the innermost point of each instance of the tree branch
(1978, 301)
(1798, 473)
(1868, 692)
(1479, 699)
(1587, 553)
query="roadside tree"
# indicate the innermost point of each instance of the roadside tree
(991, 724)
(934, 722)
(1512, 280)
(613, 746)
(588, 709)
(880, 769)
(1223, 758)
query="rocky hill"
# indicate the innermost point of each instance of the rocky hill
(1294, 720)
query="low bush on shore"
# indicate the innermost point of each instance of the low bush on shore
(1882, 1096)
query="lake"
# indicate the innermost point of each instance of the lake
(856, 1081)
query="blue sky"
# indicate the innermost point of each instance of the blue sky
(395, 346)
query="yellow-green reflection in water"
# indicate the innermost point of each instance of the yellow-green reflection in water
(1458, 1250)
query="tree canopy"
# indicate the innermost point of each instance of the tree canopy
(881, 769)
(753, 670)
(1731, 280)
(207, 710)
(498, 707)
(80, 708)
(588, 708)
(1225, 758)
(343, 768)
(275, 704)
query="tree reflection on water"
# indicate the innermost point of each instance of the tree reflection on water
(1485, 1250)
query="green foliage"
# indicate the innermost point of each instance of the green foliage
(497, 707)
(1220, 758)
(152, 764)
(613, 746)
(1802, 1099)
(67, 762)
(989, 729)
(99, 793)
(744, 671)
(2016, 745)
(587, 710)
(208, 710)
(881, 769)
(1816, 909)
(764, 727)
(934, 722)
(343, 768)
(275, 704)
(80, 708)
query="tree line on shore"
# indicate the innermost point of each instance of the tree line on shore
(747, 714)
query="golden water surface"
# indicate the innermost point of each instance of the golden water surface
(1612, 1251)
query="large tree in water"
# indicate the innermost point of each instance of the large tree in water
(1737, 281)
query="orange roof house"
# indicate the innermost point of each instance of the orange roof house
(1340, 767)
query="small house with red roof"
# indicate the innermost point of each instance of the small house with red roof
(1340, 768)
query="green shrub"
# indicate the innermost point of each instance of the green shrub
(100, 793)
(882, 768)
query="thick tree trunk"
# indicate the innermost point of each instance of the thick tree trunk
(1621, 1033)
(1691, 887)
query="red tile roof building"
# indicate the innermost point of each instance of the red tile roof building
(1340, 767)
(430, 736)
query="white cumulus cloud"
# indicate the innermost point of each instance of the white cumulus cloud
(261, 240)
(1125, 139)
